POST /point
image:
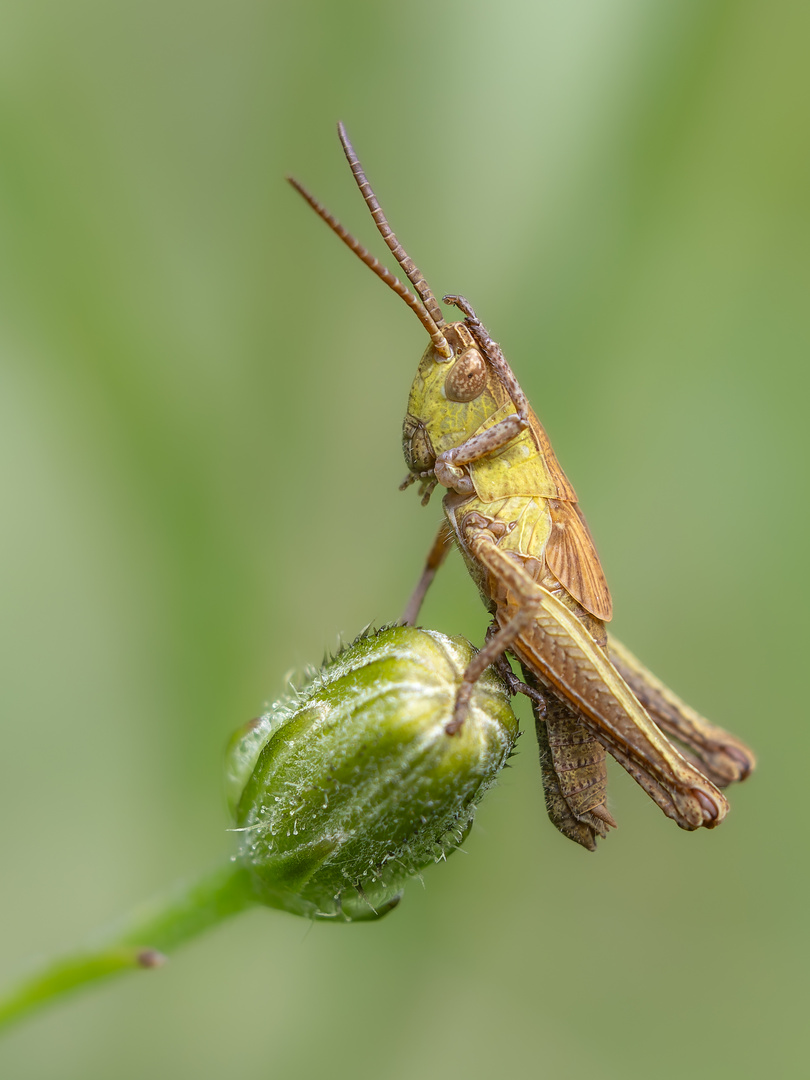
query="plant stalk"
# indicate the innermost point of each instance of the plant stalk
(142, 941)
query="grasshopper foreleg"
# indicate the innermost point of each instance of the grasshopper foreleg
(447, 468)
(492, 350)
(448, 471)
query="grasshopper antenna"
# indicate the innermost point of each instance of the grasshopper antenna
(382, 272)
(427, 311)
(412, 271)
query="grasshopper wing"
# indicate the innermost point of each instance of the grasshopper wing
(571, 557)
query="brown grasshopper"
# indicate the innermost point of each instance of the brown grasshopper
(515, 518)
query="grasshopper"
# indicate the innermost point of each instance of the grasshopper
(514, 516)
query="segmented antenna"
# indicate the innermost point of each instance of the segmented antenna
(427, 310)
(412, 271)
(381, 271)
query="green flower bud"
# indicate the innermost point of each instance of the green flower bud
(352, 785)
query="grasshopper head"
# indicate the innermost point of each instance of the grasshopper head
(449, 400)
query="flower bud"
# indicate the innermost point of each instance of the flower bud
(352, 785)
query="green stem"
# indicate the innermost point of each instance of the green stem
(141, 941)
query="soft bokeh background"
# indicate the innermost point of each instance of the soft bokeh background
(199, 432)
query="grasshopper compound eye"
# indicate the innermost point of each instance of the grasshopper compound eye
(467, 377)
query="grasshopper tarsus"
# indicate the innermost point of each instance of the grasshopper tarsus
(517, 687)
(427, 489)
(427, 484)
(461, 708)
(464, 306)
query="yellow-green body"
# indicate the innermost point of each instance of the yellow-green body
(514, 516)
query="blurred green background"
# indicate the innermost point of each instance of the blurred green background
(200, 414)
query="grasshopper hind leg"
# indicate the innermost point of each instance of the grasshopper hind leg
(572, 759)
(573, 767)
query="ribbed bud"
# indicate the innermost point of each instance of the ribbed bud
(345, 790)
